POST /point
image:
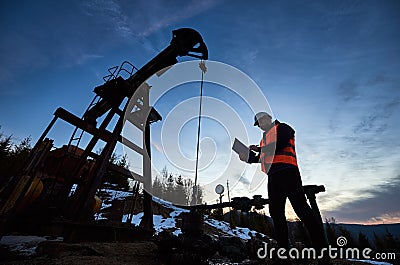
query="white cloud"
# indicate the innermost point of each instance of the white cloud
(143, 18)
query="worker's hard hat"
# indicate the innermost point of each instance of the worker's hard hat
(259, 116)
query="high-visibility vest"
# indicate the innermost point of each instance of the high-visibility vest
(287, 155)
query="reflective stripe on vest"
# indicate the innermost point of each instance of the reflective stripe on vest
(287, 155)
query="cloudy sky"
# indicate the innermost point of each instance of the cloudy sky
(328, 68)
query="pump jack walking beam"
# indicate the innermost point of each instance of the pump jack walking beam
(185, 42)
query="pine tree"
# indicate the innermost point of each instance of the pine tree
(378, 242)
(174, 188)
(5, 154)
(197, 195)
(232, 218)
(188, 188)
(330, 228)
(5, 145)
(346, 233)
(12, 156)
(180, 194)
(300, 233)
(157, 188)
(244, 219)
(169, 188)
(390, 243)
(113, 179)
(363, 241)
(260, 222)
(270, 228)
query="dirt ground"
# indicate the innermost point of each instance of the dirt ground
(137, 253)
(58, 253)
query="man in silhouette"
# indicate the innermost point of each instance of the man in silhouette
(277, 155)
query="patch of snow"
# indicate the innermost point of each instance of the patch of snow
(169, 205)
(175, 213)
(105, 205)
(116, 194)
(242, 232)
(24, 245)
(177, 232)
(72, 191)
(160, 223)
(136, 218)
(100, 217)
(113, 195)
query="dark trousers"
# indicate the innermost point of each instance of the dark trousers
(284, 184)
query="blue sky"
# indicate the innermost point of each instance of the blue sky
(328, 68)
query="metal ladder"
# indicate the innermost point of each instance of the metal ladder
(114, 72)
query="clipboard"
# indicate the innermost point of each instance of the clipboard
(240, 147)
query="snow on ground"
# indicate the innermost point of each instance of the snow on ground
(160, 223)
(105, 205)
(136, 218)
(169, 205)
(73, 189)
(242, 232)
(113, 195)
(24, 245)
(116, 194)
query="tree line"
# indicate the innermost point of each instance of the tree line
(386, 242)
(12, 155)
(176, 189)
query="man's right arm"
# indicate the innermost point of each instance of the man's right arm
(253, 157)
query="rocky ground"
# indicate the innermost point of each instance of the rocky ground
(136, 253)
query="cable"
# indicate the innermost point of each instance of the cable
(196, 189)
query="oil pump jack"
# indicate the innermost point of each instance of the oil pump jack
(46, 180)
